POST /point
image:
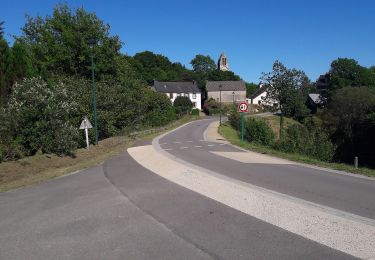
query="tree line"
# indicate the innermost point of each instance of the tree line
(343, 125)
(45, 84)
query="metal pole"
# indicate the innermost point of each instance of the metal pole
(87, 137)
(94, 98)
(242, 126)
(356, 162)
(220, 105)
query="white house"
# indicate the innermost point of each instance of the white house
(173, 89)
(259, 96)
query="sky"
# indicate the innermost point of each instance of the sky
(306, 35)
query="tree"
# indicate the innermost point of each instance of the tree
(251, 88)
(203, 63)
(1, 29)
(183, 105)
(348, 118)
(5, 71)
(346, 72)
(41, 114)
(59, 43)
(285, 86)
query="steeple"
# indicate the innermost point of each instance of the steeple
(222, 64)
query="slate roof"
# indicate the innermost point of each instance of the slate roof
(316, 98)
(238, 85)
(258, 92)
(176, 86)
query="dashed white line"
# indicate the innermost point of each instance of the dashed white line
(184, 147)
(197, 146)
(176, 142)
(189, 141)
(168, 149)
(211, 145)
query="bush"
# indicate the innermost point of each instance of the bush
(211, 107)
(41, 117)
(195, 112)
(311, 141)
(183, 105)
(258, 131)
(235, 119)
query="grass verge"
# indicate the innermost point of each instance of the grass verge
(234, 138)
(42, 167)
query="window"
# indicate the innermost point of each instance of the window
(171, 95)
(194, 96)
(194, 104)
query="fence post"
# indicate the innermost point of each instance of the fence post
(356, 162)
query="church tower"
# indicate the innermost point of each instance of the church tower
(222, 64)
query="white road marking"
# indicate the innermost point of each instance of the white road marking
(189, 141)
(251, 157)
(198, 146)
(211, 145)
(168, 149)
(184, 147)
(202, 141)
(176, 142)
(340, 230)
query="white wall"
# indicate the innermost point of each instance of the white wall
(197, 100)
(259, 100)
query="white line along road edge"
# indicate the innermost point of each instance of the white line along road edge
(342, 231)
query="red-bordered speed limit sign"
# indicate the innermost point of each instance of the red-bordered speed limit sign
(243, 107)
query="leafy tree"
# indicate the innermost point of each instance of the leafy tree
(1, 29)
(41, 117)
(59, 43)
(258, 131)
(203, 63)
(285, 86)
(348, 120)
(5, 71)
(183, 105)
(251, 88)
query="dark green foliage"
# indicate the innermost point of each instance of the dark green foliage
(313, 142)
(40, 115)
(235, 119)
(152, 66)
(59, 43)
(182, 105)
(211, 107)
(5, 71)
(203, 63)
(258, 131)
(1, 29)
(195, 112)
(348, 119)
(251, 88)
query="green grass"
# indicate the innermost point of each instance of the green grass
(274, 122)
(42, 167)
(233, 137)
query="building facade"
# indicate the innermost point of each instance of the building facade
(231, 91)
(174, 89)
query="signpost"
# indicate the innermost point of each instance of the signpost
(243, 108)
(85, 124)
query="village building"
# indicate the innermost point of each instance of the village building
(174, 89)
(230, 91)
(223, 63)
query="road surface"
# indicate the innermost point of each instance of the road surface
(122, 210)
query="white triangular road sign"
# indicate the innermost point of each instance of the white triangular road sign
(85, 124)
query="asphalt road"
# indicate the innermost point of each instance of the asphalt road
(342, 192)
(120, 210)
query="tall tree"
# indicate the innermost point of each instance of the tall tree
(285, 87)
(5, 71)
(203, 63)
(59, 43)
(1, 29)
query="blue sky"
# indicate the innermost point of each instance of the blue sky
(305, 35)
